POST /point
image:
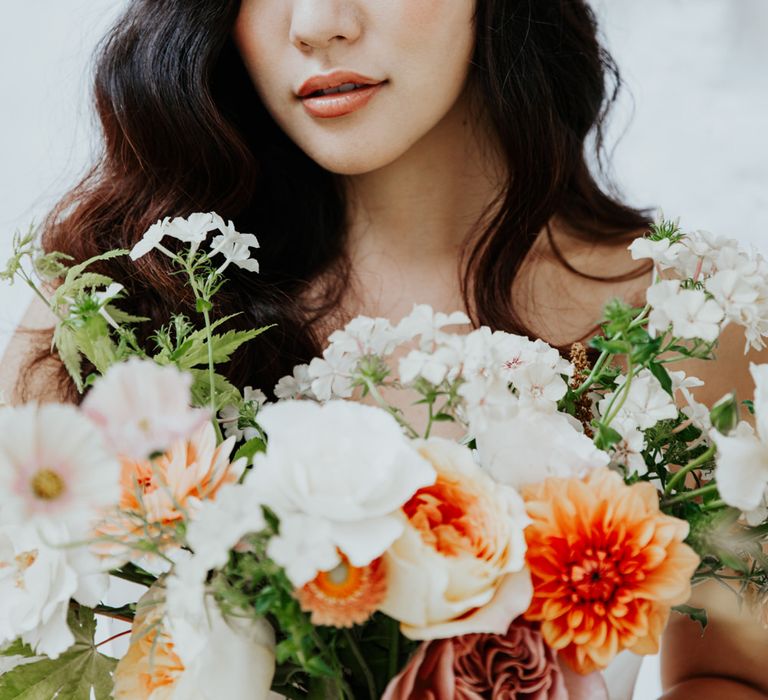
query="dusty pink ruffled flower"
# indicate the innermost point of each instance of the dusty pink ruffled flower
(516, 666)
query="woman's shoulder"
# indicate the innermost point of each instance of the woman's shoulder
(568, 279)
(579, 276)
(22, 378)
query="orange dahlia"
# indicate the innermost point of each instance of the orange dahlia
(606, 565)
(346, 596)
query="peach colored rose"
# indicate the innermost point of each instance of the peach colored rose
(516, 666)
(459, 567)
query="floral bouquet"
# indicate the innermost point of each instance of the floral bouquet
(527, 517)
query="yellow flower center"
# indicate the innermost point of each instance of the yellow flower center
(47, 485)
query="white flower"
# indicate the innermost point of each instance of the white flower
(103, 298)
(628, 451)
(366, 336)
(235, 656)
(331, 374)
(143, 408)
(689, 311)
(295, 386)
(646, 403)
(459, 566)
(343, 463)
(194, 229)
(743, 295)
(151, 240)
(39, 573)
(304, 546)
(235, 247)
(539, 385)
(435, 367)
(54, 467)
(696, 412)
(230, 415)
(742, 456)
(218, 525)
(663, 252)
(534, 445)
(424, 322)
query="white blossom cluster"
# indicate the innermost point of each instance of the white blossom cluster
(508, 387)
(729, 285)
(233, 246)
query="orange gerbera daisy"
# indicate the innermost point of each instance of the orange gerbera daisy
(346, 596)
(606, 565)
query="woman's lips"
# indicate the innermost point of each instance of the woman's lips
(339, 104)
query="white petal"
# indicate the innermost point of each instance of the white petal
(742, 470)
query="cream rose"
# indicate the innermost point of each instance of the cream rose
(237, 659)
(459, 567)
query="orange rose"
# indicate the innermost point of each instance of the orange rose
(606, 565)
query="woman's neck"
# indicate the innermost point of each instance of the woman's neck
(425, 202)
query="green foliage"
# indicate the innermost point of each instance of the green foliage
(725, 414)
(75, 675)
(696, 614)
(250, 449)
(225, 393)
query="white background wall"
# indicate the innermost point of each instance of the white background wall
(697, 144)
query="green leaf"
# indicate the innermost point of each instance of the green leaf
(223, 347)
(203, 305)
(18, 648)
(725, 414)
(659, 371)
(121, 317)
(696, 614)
(66, 343)
(76, 674)
(605, 436)
(249, 449)
(226, 393)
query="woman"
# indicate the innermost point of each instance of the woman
(446, 166)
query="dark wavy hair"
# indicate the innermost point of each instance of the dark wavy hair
(184, 130)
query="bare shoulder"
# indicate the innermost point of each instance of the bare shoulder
(567, 281)
(28, 342)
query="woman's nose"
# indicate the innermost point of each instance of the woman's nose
(316, 24)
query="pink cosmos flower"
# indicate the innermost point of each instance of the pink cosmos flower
(143, 408)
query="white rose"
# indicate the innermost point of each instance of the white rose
(343, 466)
(534, 445)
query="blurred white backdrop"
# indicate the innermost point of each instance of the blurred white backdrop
(694, 133)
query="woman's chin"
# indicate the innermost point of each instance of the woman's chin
(352, 160)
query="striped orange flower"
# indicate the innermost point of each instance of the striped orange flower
(157, 494)
(346, 596)
(606, 565)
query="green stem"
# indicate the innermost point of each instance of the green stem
(715, 505)
(370, 682)
(211, 370)
(379, 399)
(598, 368)
(620, 397)
(594, 374)
(680, 474)
(690, 495)
(431, 420)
